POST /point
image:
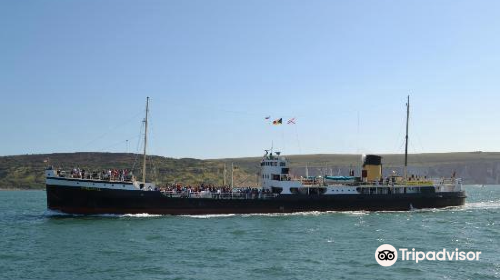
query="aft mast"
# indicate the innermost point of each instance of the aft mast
(406, 139)
(145, 141)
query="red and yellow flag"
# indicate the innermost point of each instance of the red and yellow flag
(278, 121)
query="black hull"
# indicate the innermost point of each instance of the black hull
(75, 200)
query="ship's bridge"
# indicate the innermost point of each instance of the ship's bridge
(275, 173)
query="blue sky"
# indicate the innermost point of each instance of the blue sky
(74, 76)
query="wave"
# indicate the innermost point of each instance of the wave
(309, 213)
(142, 215)
(468, 206)
(209, 216)
(483, 205)
(55, 214)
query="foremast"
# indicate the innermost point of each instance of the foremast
(145, 142)
(406, 138)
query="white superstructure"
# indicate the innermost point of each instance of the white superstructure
(276, 178)
(52, 178)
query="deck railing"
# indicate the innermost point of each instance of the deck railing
(215, 195)
(95, 176)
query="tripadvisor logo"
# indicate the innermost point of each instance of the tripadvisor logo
(387, 255)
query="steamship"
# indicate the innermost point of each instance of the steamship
(279, 192)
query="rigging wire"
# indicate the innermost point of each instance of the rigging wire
(153, 165)
(139, 146)
(116, 144)
(418, 155)
(109, 130)
(241, 182)
(298, 139)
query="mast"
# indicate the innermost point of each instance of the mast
(232, 175)
(224, 176)
(406, 139)
(145, 141)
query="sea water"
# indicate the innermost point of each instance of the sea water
(39, 244)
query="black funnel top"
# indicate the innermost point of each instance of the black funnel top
(373, 160)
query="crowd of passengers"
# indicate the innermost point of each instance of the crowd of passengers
(109, 174)
(392, 180)
(172, 189)
(215, 191)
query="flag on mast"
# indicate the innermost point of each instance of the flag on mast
(291, 121)
(278, 121)
(268, 117)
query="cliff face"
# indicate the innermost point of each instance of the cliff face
(472, 173)
(27, 171)
(485, 173)
(473, 168)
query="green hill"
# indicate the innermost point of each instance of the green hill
(27, 171)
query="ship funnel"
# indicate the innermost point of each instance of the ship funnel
(372, 168)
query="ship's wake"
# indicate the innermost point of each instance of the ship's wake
(492, 204)
(59, 214)
(482, 205)
(208, 216)
(310, 213)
